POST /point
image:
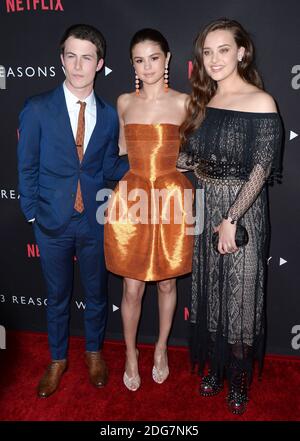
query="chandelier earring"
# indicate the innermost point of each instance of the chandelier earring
(137, 85)
(166, 78)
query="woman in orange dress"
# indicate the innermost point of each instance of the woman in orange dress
(149, 224)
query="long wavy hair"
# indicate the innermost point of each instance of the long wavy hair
(204, 87)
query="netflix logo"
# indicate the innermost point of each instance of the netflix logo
(190, 68)
(186, 313)
(34, 5)
(33, 251)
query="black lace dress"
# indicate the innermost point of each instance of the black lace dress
(232, 154)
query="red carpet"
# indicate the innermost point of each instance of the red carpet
(274, 398)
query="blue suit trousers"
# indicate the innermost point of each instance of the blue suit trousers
(57, 260)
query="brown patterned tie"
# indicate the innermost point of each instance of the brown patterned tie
(79, 144)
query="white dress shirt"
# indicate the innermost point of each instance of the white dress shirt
(73, 111)
(90, 115)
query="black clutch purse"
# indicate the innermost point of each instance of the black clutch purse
(241, 237)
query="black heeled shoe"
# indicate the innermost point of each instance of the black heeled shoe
(237, 399)
(210, 385)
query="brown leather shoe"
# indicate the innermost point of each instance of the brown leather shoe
(51, 378)
(98, 372)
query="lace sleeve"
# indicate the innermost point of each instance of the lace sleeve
(185, 161)
(189, 154)
(266, 161)
(248, 193)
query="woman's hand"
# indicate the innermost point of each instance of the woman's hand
(226, 237)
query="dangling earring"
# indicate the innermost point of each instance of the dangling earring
(137, 85)
(166, 78)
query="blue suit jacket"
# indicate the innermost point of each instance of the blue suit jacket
(48, 162)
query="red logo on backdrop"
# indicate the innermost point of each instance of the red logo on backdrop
(33, 250)
(33, 5)
(190, 68)
(186, 313)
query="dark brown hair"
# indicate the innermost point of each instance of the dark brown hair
(85, 32)
(151, 35)
(204, 87)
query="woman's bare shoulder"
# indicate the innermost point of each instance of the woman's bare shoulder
(182, 99)
(260, 101)
(124, 99)
(265, 102)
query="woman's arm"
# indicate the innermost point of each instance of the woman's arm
(121, 106)
(266, 146)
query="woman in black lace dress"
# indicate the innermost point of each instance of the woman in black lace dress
(232, 138)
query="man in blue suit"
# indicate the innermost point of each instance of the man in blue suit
(68, 146)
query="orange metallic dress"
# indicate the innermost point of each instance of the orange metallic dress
(145, 237)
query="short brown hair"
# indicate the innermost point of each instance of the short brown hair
(85, 32)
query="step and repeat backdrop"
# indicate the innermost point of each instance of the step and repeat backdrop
(30, 31)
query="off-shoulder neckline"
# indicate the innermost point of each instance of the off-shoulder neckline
(241, 112)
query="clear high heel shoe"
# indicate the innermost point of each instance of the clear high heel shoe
(160, 375)
(132, 383)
